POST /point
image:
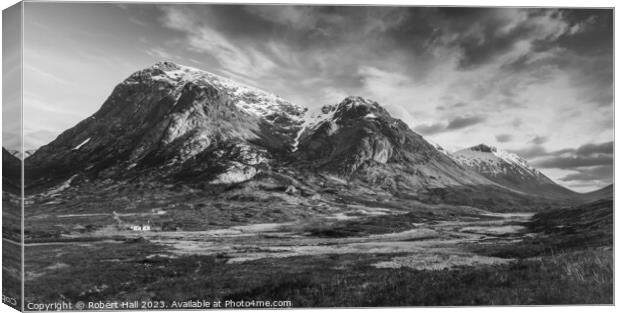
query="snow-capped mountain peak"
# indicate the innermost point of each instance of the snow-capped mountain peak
(491, 160)
(334, 112)
(509, 169)
(247, 98)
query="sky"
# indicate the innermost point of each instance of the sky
(537, 82)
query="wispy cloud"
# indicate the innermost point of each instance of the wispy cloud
(503, 138)
(463, 122)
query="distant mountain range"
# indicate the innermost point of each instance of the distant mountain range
(18, 155)
(179, 124)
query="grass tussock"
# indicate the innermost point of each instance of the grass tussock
(595, 268)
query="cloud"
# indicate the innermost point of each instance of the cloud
(538, 140)
(39, 73)
(35, 139)
(381, 79)
(401, 113)
(531, 152)
(334, 20)
(454, 124)
(590, 55)
(591, 149)
(452, 106)
(587, 155)
(585, 168)
(162, 54)
(430, 129)
(503, 138)
(138, 22)
(236, 57)
(487, 35)
(463, 122)
(297, 17)
(601, 172)
(573, 162)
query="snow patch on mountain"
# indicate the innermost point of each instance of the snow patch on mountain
(81, 144)
(314, 119)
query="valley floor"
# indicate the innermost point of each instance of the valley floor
(359, 256)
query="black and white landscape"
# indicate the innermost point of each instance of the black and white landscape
(188, 183)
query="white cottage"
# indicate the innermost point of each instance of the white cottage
(141, 227)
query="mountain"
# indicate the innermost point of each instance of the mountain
(178, 125)
(510, 170)
(603, 193)
(358, 138)
(18, 154)
(176, 119)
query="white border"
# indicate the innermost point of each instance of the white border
(507, 3)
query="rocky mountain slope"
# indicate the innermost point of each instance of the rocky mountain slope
(509, 170)
(358, 138)
(176, 119)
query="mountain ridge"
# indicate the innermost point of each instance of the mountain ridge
(182, 124)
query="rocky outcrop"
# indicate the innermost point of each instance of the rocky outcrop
(349, 138)
(358, 139)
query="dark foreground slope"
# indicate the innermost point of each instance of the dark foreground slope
(11, 229)
(587, 225)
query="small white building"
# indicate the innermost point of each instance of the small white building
(141, 227)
